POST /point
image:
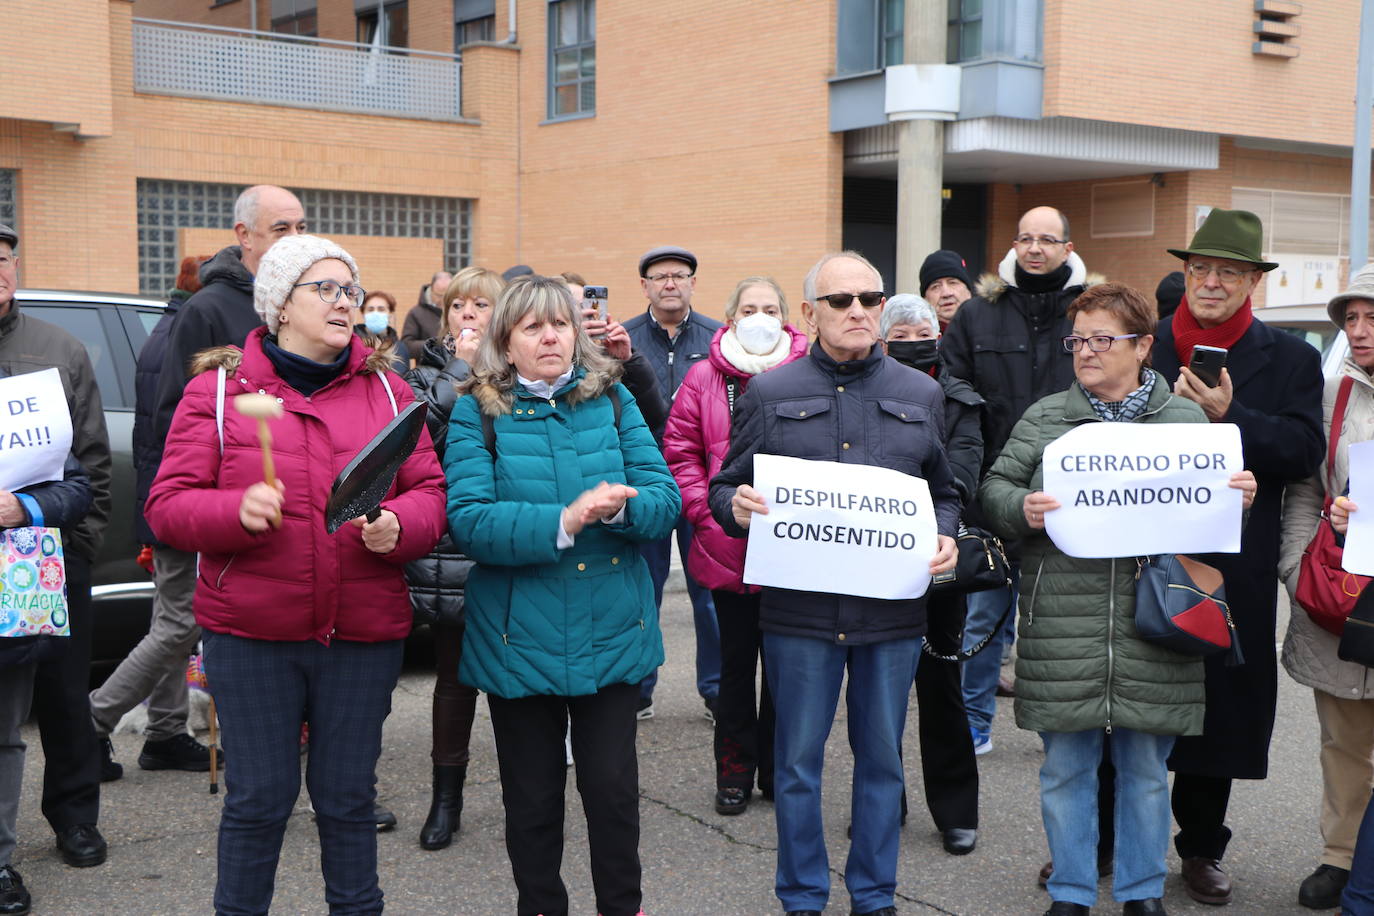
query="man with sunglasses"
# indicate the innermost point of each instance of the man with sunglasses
(1007, 343)
(220, 312)
(845, 402)
(1272, 389)
(673, 339)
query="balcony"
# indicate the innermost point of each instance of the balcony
(266, 68)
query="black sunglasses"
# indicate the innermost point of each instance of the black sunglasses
(868, 300)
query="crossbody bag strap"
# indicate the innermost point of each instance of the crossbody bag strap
(219, 406)
(395, 411)
(1334, 435)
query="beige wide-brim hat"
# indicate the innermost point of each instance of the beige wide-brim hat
(1361, 287)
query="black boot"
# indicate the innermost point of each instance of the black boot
(446, 810)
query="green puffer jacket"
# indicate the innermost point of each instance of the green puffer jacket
(541, 620)
(1080, 664)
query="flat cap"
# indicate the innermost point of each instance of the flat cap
(7, 234)
(666, 253)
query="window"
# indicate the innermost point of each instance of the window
(572, 57)
(890, 37)
(964, 39)
(483, 29)
(395, 25)
(9, 198)
(295, 17)
(85, 325)
(1123, 208)
(166, 206)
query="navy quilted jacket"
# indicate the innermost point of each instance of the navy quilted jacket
(542, 620)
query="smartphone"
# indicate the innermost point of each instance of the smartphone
(1207, 363)
(594, 297)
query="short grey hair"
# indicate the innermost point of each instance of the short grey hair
(545, 297)
(906, 308)
(809, 284)
(246, 207)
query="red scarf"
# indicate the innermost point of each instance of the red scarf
(1188, 333)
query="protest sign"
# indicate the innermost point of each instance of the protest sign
(849, 529)
(35, 429)
(1359, 540)
(1135, 489)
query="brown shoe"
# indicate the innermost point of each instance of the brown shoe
(1205, 882)
(1045, 874)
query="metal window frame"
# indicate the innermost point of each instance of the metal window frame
(585, 42)
(886, 32)
(961, 20)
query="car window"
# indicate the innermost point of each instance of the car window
(149, 320)
(85, 325)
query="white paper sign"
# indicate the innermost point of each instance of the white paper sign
(847, 529)
(35, 429)
(1359, 539)
(1135, 489)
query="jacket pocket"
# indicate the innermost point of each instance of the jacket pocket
(993, 361)
(804, 428)
(904, 434)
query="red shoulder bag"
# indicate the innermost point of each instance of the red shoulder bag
(1326, 591)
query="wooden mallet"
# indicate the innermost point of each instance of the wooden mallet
(262, 407)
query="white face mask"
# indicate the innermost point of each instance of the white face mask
(758, 333)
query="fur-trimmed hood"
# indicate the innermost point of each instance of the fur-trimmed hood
(230, 357)
(992, 286)
(496, 399)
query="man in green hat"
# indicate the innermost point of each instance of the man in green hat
(1271, 389)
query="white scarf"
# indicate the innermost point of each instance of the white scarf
(754, 363)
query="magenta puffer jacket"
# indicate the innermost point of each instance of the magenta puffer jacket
(694, 443)
(296, 582)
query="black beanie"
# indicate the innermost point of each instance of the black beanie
(941, 264)
(1168, 293)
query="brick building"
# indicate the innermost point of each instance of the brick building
(754, 132)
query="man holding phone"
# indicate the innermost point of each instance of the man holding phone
(1270, 386)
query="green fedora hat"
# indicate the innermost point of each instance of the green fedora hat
(1233, 234)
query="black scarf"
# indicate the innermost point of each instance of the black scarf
(304, 375)
(1043, 283)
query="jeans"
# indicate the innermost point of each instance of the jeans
(1068, 804)
(658, 554)
(1358, 897)
(981, 672)
(805, 675)
(263, 692)
(156, 668)
(529, 748)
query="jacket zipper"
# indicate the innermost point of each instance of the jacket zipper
(1035, 590)
(219, 580)
(1111, 633)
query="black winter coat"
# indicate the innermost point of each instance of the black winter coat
(639, 377)
(422, 323)
(220, 313)
(146, 447)
(437, 581)
(963, 433)
(670, 357)
(890, 416)
(1008, 344)
(1277, 404)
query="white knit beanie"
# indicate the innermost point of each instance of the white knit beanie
(282, 266)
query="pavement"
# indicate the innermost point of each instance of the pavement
(161, 826)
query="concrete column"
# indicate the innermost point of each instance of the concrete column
(920, 152)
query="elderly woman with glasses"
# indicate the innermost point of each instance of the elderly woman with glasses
(300, 626)
(553, 481)
(1082, 669)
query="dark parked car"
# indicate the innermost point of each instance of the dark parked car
(113, 327)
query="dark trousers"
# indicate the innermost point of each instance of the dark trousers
(1200, 804)
(947, 760)
(1358, 897)
(263, 692)
(744, 717)
(62, 705)
(455, 703)
(529, 748)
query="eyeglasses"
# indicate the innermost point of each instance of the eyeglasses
(679, 277)
(1228, 275)
(330, 291)
(1044, 241)
(868, 300)
(1098, 343)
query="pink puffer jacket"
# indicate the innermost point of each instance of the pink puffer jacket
(296, 582)
(694, 443)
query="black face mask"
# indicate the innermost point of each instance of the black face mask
(918, 354)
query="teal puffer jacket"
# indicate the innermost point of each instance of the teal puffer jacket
(1080, 663)
(542, 620)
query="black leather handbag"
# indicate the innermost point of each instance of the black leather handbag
(1357, 639)
(982, 564)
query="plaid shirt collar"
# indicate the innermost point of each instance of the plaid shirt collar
(1129, 407)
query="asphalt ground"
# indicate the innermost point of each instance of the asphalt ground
(161, 826)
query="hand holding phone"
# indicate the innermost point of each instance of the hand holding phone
(1207, 363)
(594, 310)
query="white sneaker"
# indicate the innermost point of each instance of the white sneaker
(567, 743)
(982, 742)
(645, 710)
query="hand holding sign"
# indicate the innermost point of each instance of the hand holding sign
(745, 503)
(1036, 505)
(35, 429)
